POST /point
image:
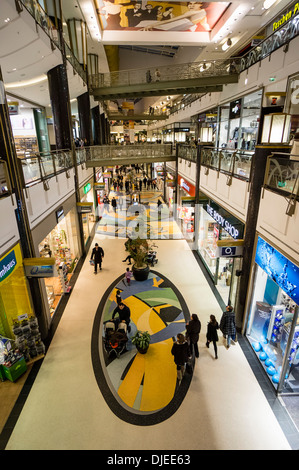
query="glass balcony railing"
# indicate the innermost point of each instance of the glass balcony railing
(42, 19)
(132, 152)
(187, 152)
(282, 174)
(4, 180)
(236, 163)
(276, 40)
(44, 165)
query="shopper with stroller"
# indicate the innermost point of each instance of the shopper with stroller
(124, 314)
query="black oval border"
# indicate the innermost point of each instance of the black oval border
(140, 419)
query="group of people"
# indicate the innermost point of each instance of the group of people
(186, 345)
(183, 348)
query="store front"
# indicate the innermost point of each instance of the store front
(89, 215)
(186, 207)
(29, 126)
(239, 122)
(62, 243)
(273, 324)
(219, 245)
(15, 299)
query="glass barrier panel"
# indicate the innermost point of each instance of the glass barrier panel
(283, 175)
(31, 169)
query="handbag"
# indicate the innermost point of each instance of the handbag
(91, 262)
(189, 367)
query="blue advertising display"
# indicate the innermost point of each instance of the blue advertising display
(279, 268)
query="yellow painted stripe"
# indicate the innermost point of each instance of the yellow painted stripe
(159, 377)
(130, 385)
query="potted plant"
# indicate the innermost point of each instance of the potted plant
(141, 340)
(138, 249)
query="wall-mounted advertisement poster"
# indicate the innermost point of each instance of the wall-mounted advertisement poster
(159, 16)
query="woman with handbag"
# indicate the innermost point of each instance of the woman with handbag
(212, 335)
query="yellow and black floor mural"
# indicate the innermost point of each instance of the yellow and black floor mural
(141, 388)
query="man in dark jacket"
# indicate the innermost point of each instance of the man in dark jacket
(97, 255)
(124, 314)
(192, 333)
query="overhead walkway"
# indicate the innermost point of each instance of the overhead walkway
(111, 155)
(196, 77)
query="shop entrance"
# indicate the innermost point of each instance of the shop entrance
(61, 243)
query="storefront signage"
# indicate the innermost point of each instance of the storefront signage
(86, 188)
(59, 214)
(99, 186)
(84, 207)
(279, 268)
(188, 187)
(286, 17)
(229, 251)
(40, 267)
(7, 265)
(231, 224)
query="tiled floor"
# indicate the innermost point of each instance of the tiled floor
(228, 405)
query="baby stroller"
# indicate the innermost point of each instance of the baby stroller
(115, 340)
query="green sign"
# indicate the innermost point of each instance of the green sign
(86, 188)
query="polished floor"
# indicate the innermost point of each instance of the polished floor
(75, 403)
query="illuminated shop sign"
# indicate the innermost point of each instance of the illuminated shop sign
(228, 222)
(279, 268)
(7, 265)
(40, 267)
(286, 16)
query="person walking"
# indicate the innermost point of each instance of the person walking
(193, 328)
(212, 335)
(228, 325)
(97, 255)
(181, 352)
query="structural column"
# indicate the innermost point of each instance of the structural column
(257, 175)
(61, 109)
(85, 117)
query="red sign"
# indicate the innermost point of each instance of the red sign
(188, 187)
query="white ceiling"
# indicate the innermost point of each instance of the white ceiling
(26, 53)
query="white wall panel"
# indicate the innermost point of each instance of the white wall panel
(41, 203)
(233, 198)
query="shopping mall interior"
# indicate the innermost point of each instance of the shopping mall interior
(149, 181)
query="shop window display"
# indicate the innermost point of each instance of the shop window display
(221, 269)
(271, 316)
(62, 244)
